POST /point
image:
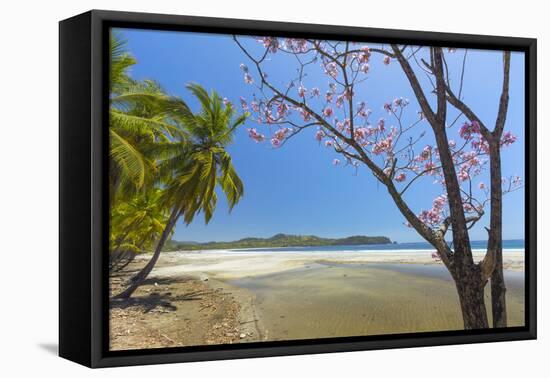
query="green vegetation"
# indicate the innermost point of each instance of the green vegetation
(277, 241)
(165, 162)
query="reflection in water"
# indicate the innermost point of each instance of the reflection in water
(332, 300)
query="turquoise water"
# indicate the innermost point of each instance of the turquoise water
(411, 247)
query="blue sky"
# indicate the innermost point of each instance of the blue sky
(296, 189)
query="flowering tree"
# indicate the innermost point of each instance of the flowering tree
(397, 151)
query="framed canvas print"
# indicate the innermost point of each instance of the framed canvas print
(233, 188)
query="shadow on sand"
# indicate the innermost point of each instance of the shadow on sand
(153, 300)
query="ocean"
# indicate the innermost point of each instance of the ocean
(517, 245)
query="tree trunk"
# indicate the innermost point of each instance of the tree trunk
(142, 275)
(472, 301)
(498, 294)
(132, 257)
(498, 287)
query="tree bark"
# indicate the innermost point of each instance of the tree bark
(466, 274)
(498, 294)
(498, 287)
(138, 279)
(470, 289)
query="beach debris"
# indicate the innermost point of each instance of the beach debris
(242, 335)
(167, 338)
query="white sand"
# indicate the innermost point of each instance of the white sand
(237, 264)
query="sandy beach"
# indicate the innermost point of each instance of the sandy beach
(245, 296)
(242, 263)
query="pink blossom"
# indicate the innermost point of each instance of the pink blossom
(336, 162)
(364, 67)
(244, 104)
(279, 136)
(363, 133)
(331, 69)
(365, 55)
(434, 216)
(329, 96)
(348, 93)
(481, 186)
(328, 143)
(270, 43)
(327, 112)
(268, 116)
(253, 133)
(248, 78)
(387, 60)
(401, 102)
(319, 135)
(383, 145)
(306, 116)
(429, 167)
(430, 217)
(296, 45)
(281, 133)
(339, 101)
(468, 207)
(255, 105)
(315, 92)
(463, 175)
(480, 144)
(362, 110)
(226, 102)
(347, 124)
(426, 153)
(302, 91)
(401, 177)
(243, 67)
(468, 129)
(282, 109)
(507, 139)
(381, 126)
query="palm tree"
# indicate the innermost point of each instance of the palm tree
(193, 165)
(138, 118)
(135, 225)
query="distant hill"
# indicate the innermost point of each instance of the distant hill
(277, 241)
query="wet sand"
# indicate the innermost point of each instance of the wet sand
(346, 300)
(297, 295)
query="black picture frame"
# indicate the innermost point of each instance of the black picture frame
(83, 228)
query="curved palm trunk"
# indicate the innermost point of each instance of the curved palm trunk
(142, 275)
(131, 258)
(116, 257)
